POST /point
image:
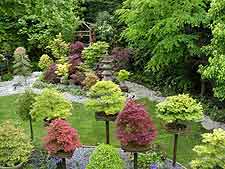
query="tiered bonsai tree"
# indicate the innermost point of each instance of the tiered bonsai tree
(106, 97)
(135, 129)
(15, 146)
(105, 157)
(211, 152)
(175, 111)
(61, 139)
(24, 106)
(50, 105)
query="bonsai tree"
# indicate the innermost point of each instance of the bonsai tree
(211, 152)
(134, 126)
(51, 105)
(44, 62)
(106, 96)
(24, 106)
(22, 64)
(175, 111)
(15, 146)
(61, 138)
(105, 157)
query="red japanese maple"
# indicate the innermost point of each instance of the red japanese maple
(61, 137)
(134, 125)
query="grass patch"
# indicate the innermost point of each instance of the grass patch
(93, 132)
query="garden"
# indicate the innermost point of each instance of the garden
(120, 84)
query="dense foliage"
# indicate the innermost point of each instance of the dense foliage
(50, 74)
(123, 75)
(94, 53)
(61, 138)
(22, 64)
(211, 151)
(90, 80)
(15, 146)
(179, 108)
(106, 96)
(51, 105)
(134, 125)
(45, 61)
(105, 157)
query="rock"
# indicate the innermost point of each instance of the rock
(209, 124)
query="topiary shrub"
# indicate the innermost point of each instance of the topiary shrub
(134, 125)
(105, 157)
(15, 146)
(106, 96)
(90, 80)
(24, 106)
(94, 53)
(61, 138)
(44, 62)
(63, 70)
(211, 152)
(22, 64)
(179, 108)
(51, 104)
(50, 75)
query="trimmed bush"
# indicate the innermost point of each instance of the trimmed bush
(181, 107)
(15, 146)
(106, 96)
(44, 62)
(51, 105)
(105, 157)
(134, 125)
(123, 75)
(90, 80)
(61, 138)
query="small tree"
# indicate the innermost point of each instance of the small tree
(44, 62)
(24, 106)
(94, 53)
(61, 138)
(211, 153)
(22, 64)
(106, 96)
(105, 157)
(178, 109)
(134, 126)
(51, 105)
(15, 146)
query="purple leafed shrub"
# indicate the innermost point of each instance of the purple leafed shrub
(134, 125)
(78, 78)
(76, 48)
(74, 61)
(121, 57)
(50, 75)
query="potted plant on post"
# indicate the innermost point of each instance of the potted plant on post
(135, 129)
(15, 146)
(61, 140)
(106, 99)
(50, 105)
(105, 156)
(176, 111)
(122, 76)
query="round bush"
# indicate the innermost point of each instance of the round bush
(44, 62)
(181, 107)
(51, 105)
(61, 137)
(105, 157)
(15, 146)
(134, 125)
(106, 97)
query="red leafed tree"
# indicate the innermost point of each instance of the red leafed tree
(61, 137)
(134, 125)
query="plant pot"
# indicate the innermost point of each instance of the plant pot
(101, 116)
(131, 147)
(15, 167)
(176, 128)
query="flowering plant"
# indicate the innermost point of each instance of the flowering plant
(134, 125)
(61, 137)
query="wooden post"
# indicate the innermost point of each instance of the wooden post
(63, 163)
(31, 129)
(107, 131)
(135, 160)
(175, 149)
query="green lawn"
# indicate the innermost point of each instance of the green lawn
(92, 132)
